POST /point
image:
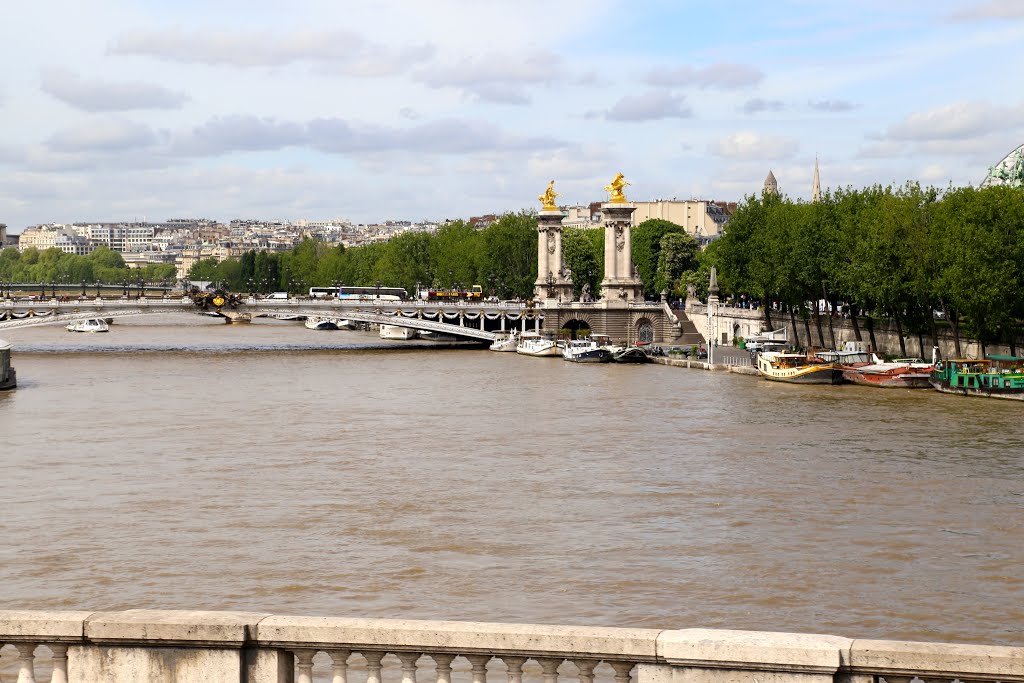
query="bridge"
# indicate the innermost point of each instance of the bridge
(151, 646)
(472, 320)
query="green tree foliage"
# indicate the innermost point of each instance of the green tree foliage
(678, 255)
(646, 246)
(583, 251)
(895, 252)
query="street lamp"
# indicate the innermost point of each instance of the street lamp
(83, 288)
(378, 288)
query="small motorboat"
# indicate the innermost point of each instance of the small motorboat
(396, 332)
(505, 341)
(317, 322)
(630, 354)
(90, 325)
(585, 351)
(533, 344)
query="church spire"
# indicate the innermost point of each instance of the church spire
(816, 188)
(771, 186)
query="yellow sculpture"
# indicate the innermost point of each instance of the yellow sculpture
(615, 190)
(547, 200)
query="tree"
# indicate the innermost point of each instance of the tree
(678, 255)
(646, 247)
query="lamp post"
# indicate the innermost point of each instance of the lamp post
(250, 283)
(378, 288)
(83, 288)
(96, 283)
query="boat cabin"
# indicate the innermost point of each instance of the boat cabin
(994, 372)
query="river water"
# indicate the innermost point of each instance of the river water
(183, 463)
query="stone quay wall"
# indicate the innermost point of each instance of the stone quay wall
(149, 646)
(745, 322)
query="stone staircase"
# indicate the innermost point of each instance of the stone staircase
(686, 333)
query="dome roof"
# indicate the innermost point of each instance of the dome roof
(1009, 171)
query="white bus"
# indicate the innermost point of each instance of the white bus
(346, 292)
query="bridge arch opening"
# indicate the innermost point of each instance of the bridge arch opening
(644, 331)
(576, 328)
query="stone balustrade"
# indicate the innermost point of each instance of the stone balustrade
(150, 646)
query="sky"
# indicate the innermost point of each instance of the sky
(119, 110)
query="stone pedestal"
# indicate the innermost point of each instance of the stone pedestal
(552, 282)
(621, 284)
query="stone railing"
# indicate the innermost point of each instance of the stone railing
(144, 646)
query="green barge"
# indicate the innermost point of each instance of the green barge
(993, 377)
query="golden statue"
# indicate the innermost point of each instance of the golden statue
(615, 190)
(547, 200)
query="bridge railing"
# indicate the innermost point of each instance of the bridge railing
(214, 647)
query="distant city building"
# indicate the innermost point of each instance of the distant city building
(816, 185)
(43, 237)
(771, 186)
(3, 235)
(699, 217)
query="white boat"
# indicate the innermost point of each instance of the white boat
(585, 351)
(90, 325)
(396, 332)
(505, 341)
(317, 322)
(532, 344)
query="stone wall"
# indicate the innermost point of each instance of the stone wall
(887, 338)
(149, 646)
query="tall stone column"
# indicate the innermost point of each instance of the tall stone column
(552, 282)
(621, 284)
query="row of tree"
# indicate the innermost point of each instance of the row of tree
(54, 267)
(910, 254)
(501, 258)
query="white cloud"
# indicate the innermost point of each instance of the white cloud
(752, 145)
(344, 51)
(500, 78)
(758, 105)
(956, 121)
(993, 9)
(650, 106)
(95, 96)
(723, 75)
(103, 135)
(832, 105)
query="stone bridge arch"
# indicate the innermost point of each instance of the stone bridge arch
(578, 325)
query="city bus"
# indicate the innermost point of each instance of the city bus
(346, 292)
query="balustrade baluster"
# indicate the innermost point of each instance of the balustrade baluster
(622, 670)
(586, 669)
(549, 668)
(339, 665)
(408, 660)
(60, 663)
(373, 666)
(515, 668)
(479, 663)
(26, 662)
(443, 667)
(304, 661)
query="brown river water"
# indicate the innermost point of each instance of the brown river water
(183, 463)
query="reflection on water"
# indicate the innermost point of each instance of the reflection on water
(304, 472)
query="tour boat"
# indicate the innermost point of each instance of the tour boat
(585, 351)
(316, 322)
(994, 377)
(532, 344)
(8, 378)
(505, 341)
(630, 354)
(90, 325)
(396, 332)
(902, 373)
(797, 368)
